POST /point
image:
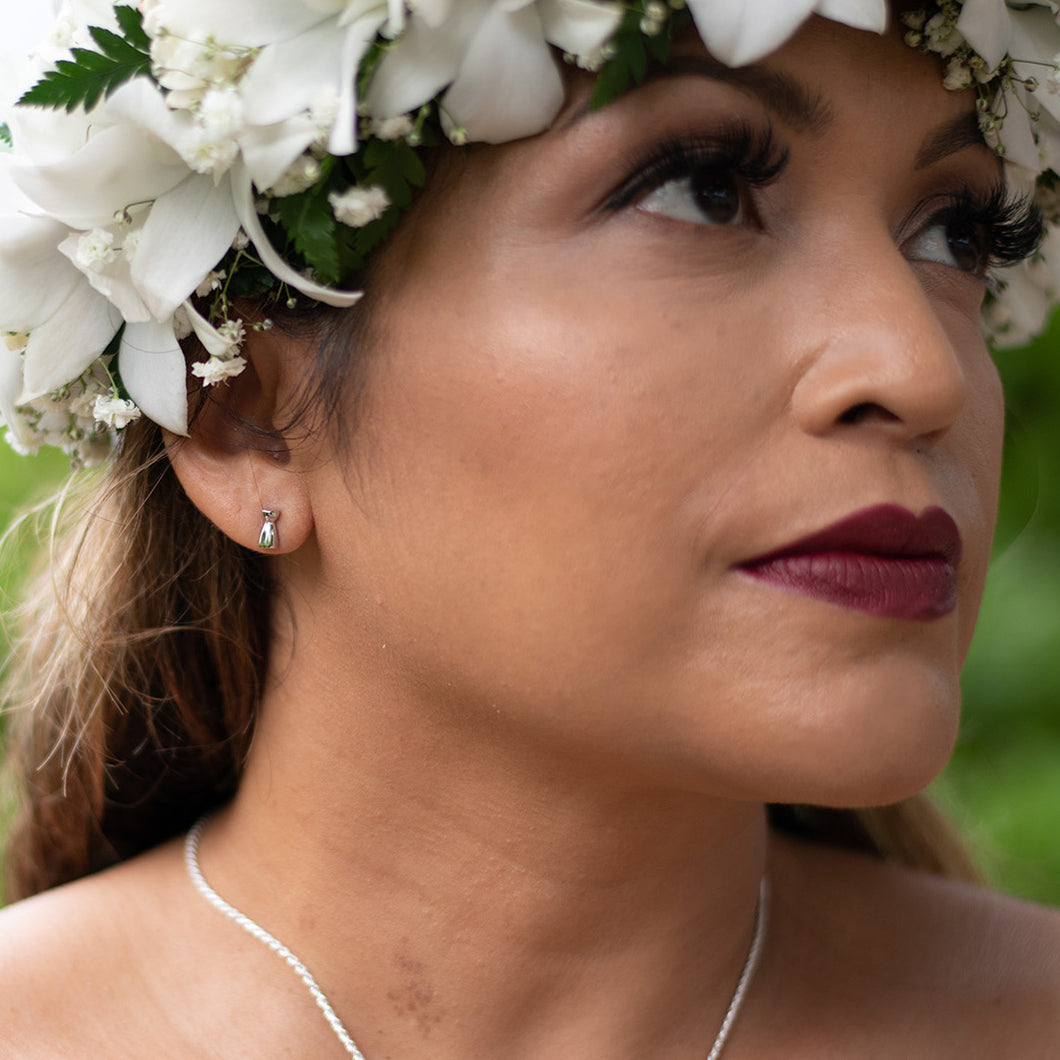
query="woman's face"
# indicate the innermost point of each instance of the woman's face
(620, 361)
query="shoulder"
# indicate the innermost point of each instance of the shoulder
(966, 971)
(79, 960)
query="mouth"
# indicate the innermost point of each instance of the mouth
(884, 561)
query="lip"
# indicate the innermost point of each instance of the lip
(884, 561)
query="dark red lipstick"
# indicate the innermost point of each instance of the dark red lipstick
(884, 560)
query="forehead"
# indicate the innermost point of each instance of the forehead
(825, 73)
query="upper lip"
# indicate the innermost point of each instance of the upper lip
(887, 530)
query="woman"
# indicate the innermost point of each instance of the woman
(652, 482)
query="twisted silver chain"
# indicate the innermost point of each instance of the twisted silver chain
(191, 860)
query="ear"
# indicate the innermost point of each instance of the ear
(230, 468)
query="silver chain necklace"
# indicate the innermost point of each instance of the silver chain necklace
(191, 860)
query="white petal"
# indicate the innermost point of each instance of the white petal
(213, 342)
(579, 26)
(489, 97)
(343, 140)
(1017, 134)
(139, 104)
(247, 23)
(248, 216)
(269, 150)
(286, 76)
(35, 279)
(423, 62)
(987, 27)
(114, 282)
(1035, 40)
(10, 388)
(187, 232)
(742, 31)
(152, 368)
(61, 348)
(116, 168)
(861, 14)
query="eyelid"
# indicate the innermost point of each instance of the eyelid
(1012, 222)
(753, 154)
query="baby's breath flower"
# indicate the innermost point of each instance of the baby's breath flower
(95, 250)
(114, 411)
(957, 76)
(210, 283)
(130, 244)
(233, 332)
(396, 128)
(218, 369)
(359, 206)
(301, 174)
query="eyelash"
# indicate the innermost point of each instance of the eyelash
(1011, 225)
(751, 155)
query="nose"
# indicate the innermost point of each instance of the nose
(878, 356)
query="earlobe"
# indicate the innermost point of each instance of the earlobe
(235, 467)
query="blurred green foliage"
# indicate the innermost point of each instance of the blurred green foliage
(1003, 785)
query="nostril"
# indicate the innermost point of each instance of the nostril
(866, 410)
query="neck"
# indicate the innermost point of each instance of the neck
(460, 891)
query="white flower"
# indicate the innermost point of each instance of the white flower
(743, 31)
(95, 250)
(487, 53)
(302, 173)
(232, 333)
(130, 244)
(218, 369)
(396, 128)
(221, 112)
(942, 35)
(114, 411)
(359, 206)
(958, 75)
(210, 284)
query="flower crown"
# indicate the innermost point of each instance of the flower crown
(173, 158)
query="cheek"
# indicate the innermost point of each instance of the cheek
(541, 459)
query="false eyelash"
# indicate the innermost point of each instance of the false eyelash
(751, 154)
(1011, 223)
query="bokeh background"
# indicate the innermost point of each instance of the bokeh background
(1003, 784)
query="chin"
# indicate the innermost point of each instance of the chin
(891, 740)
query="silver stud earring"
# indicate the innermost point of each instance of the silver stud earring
(267, 537)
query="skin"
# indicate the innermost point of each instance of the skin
(506, 795)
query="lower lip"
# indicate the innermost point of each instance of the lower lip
(908, 587)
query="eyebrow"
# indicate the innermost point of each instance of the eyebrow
(957, 134)
(802, 109)
(787, 97)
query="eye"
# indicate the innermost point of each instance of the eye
(709, 195)
(707, 179)
(954, 241)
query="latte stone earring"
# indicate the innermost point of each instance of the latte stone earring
(267, 537)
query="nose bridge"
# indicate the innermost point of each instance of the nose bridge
(877, 353)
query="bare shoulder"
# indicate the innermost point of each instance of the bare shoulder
(131, 964)
(70, 958)
(967, 971)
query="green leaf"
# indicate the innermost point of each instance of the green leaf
(5, 135)
(634, 51)
(89, 76)
(132, 25)
(310, 225)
